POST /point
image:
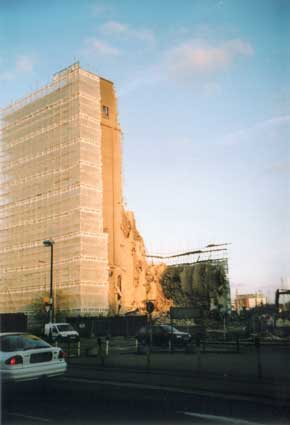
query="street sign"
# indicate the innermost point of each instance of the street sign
(47, 307)
(149, 307)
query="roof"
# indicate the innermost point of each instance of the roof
(257, 295)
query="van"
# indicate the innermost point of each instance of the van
(61, 331)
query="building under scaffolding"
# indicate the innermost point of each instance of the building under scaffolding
(60, 180)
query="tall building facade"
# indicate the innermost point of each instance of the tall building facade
(61, 179)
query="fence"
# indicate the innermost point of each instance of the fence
(240, 358)
(13, 322)
(127, 326)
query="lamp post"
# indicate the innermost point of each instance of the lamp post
(50, 242)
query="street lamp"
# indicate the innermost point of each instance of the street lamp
(49, 242)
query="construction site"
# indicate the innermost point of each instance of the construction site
(61, 180)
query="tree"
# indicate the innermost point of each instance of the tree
(40, 315)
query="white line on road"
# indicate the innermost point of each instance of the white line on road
(34, 418)
(222, 419)
(122, 384)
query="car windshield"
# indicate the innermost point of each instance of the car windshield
(169, 328)
(65, 327)
(20, 342)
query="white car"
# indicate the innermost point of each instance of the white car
(62, 331)
(25, 357)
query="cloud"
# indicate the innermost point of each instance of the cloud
(279, 167)
(138, 82)
(219, 4)
(279, 120)
(143, 79)
(101, 9)
(212, 89)
(100, 48)
(268, 127)
(114, 28)
(24, 64)
(198, 57)
(7, 75)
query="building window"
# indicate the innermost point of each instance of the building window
(106, 111)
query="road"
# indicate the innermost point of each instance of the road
(88, 395)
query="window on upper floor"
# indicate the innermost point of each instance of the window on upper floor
(105, 111)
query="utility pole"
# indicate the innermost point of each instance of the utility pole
(47, 243)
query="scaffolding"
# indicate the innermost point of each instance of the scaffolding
(51, 188)
(210, 253)
(193, 270)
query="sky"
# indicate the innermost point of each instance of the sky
(203, 92)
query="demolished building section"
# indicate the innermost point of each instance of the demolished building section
(196, 279)
(203, 285)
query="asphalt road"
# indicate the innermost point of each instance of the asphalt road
(98, 397)
(64, 403)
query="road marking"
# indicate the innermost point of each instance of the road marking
(123, 384)
(34, 418)
(224, 419)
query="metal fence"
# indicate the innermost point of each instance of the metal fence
(241, 358)
(13, 322)
(127, 326)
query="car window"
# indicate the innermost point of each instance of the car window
(32, 342)
(65, 328)
(169, 328)
(9, 343)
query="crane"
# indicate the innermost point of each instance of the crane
(277, 296)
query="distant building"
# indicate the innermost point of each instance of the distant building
(247, 301)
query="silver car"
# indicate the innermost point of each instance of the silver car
(25, 357)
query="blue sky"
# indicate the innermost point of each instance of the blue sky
(204, 104)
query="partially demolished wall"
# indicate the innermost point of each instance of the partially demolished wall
(203, 284)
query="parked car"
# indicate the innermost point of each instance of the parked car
(162, 334)
(61, 331)
(25, 357)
